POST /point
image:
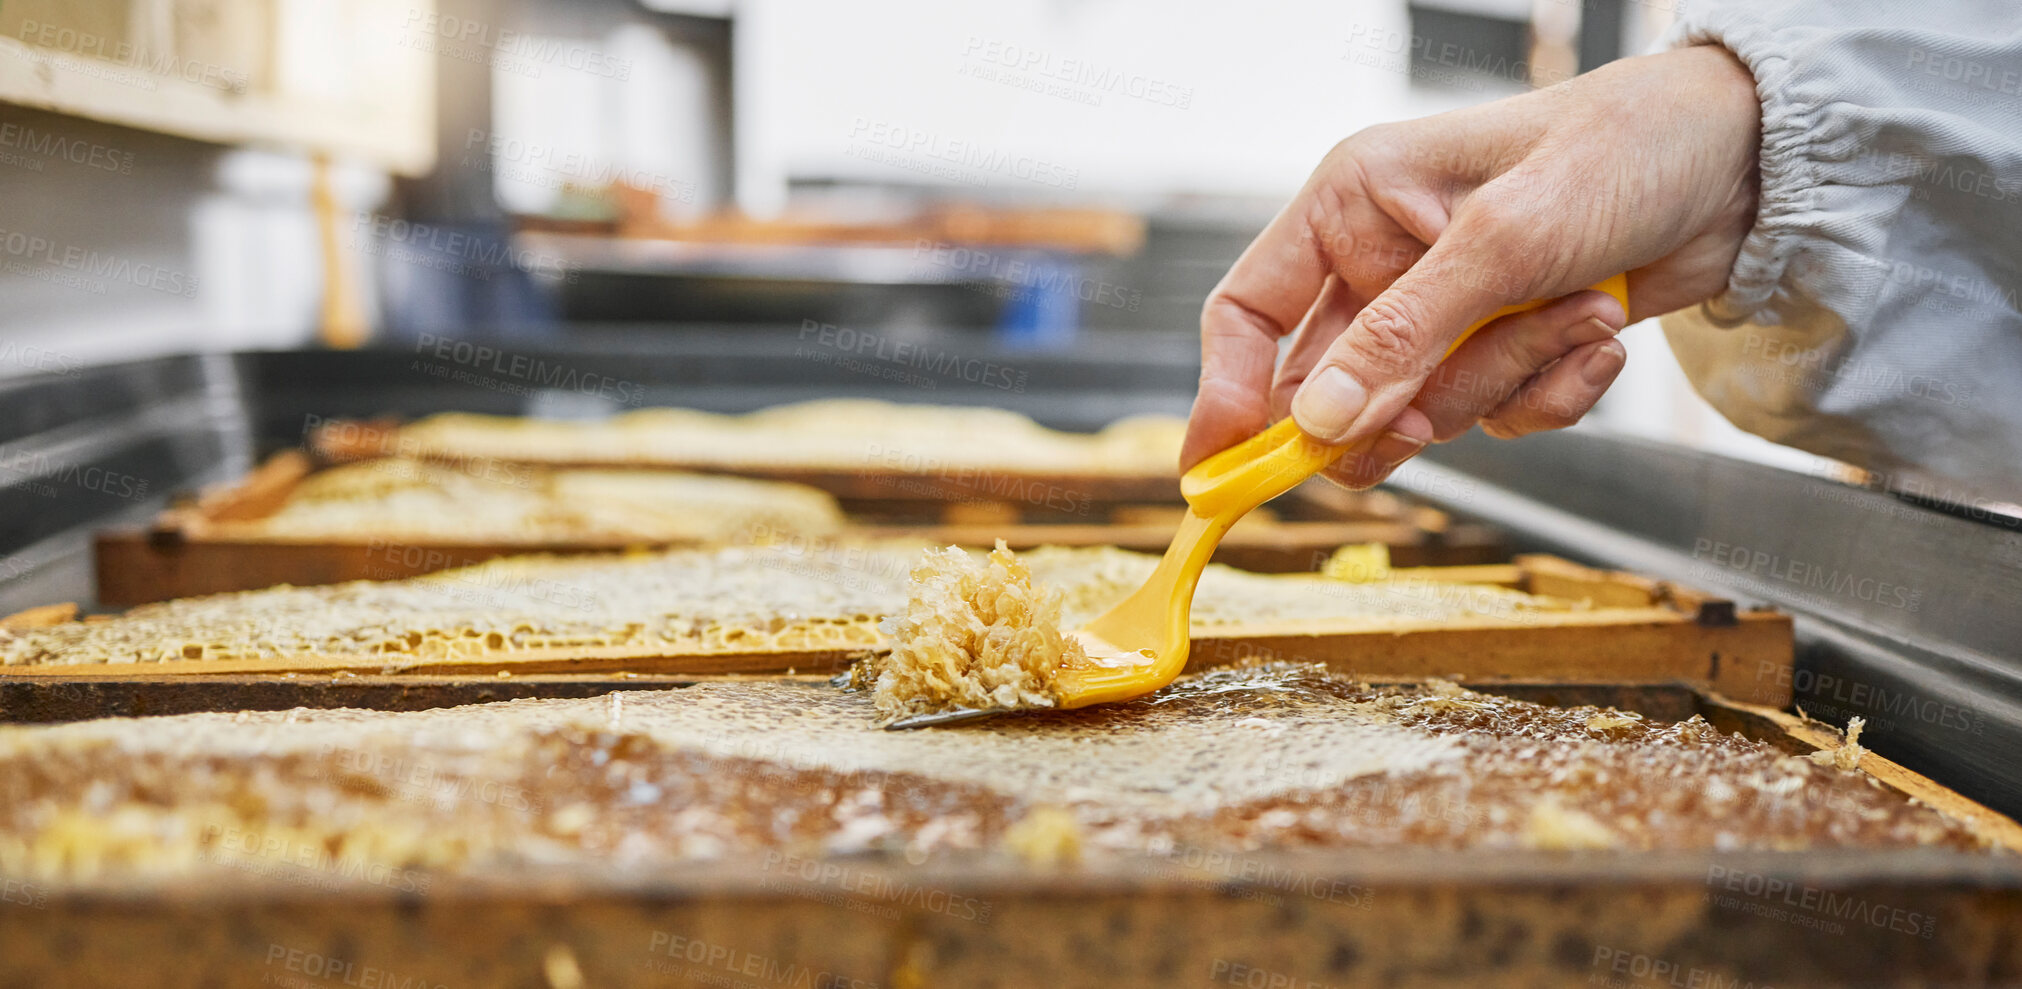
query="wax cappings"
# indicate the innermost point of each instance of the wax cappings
(1232, 761)
(796, 595)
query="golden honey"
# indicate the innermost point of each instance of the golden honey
(1280, 757)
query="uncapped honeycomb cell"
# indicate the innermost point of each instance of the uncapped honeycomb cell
(797, 595)
(418, 501)
(832, 434)
(1218, 765)
(678, 602)
(974, 634)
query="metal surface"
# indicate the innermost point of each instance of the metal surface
(1908, 617)
(954, 716)
(1105, 377)
(103, 446)
(98, 446)
(864, 264)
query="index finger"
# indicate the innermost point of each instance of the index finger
(1262, 298)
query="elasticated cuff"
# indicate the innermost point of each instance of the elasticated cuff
(1791, 131)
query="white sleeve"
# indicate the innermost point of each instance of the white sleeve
(1878, 287)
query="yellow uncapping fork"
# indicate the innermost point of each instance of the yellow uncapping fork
(1141, 644)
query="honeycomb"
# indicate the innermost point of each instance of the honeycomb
(680, 602)
(1219, 765)
(975, 634)
(797, 595)
(832, 434)
(419, 501)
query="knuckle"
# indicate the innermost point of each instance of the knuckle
(1343, 151)
(1223, 316)
(1368, 140)
(1216, 312)
(1326, 220)
(1388, 340)
(1501, 211)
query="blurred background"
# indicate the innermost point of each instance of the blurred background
(889, 184)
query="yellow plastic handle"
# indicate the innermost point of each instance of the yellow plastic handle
(1276, 460)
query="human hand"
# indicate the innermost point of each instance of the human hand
(1408, 233)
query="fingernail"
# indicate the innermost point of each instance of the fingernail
(1328, 404)
(1586, 331)
(1394, 448)
(1603, 364)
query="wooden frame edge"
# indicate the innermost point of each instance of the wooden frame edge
(1991, 825)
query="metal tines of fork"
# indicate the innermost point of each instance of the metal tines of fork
(949, 717)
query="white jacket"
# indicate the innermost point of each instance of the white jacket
(1873, 314)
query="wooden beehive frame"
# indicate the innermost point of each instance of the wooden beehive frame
(182, 554)
(1431, 915)
(878, 490)
(1629, 629)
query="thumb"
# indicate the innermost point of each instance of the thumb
(1374, 368)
